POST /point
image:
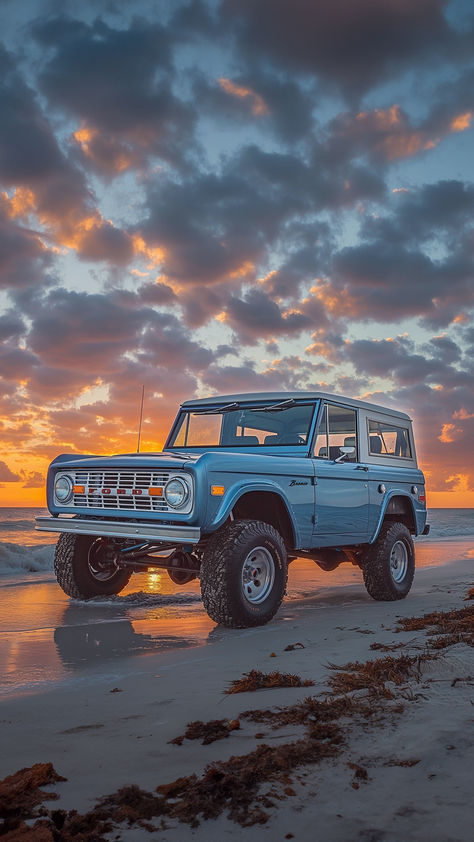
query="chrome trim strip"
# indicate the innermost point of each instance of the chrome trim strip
(117, 529)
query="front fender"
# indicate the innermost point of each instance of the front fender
(394, 492)
(235, 492)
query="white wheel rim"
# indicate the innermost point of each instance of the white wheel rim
(398, 561)
(258, 575)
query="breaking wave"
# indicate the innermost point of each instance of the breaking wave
(17, 558)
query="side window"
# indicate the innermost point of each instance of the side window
(387, 439)
(321, 446)
(338, 428)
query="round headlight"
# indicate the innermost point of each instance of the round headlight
(63, 489)
(176, 492)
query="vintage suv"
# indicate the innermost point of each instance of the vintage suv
(244, 485)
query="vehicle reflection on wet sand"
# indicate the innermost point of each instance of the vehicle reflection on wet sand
(46, 637)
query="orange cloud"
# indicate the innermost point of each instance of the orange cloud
(382, 119)
(153, 254)
(258, 105)
(104, 151)
(462, 122)
(398, 139)
(449, 433)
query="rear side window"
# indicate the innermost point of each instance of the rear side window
(337, 428)
(387, 439)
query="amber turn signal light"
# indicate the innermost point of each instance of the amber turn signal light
(78, 489)
(155, 492)
(217, 490)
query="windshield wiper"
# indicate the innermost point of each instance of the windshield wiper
(277, 407)
(228, 408)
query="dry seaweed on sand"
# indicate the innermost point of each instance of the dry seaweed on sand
(470, 594)
(234, 784)
(386, 647)
(373, 676)
(311, 710)
(208, 732)
(21, 792)
(256, 680)
(451, 627)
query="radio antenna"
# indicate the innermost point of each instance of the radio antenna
(141, 418)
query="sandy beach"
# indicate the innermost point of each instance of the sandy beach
(396, 775)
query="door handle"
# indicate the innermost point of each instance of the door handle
(362, 468)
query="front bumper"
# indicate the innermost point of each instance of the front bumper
(155, 532)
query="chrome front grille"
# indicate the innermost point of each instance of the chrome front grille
(127, 490)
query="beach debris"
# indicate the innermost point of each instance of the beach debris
(451, 627)
(312, 710)
(115, 690)
(233, 784)
(29, 833)
(272, 655)
(407, 762)
(21, 794)
(470, 594)
(373, 676)
(256, 680)
(237, 786)
(208, 732)
(360, 775)
(386, 647)
(468, 679)
(292, 646)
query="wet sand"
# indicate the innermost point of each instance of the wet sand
(46, 637)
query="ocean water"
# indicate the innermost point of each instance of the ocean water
(22, 550)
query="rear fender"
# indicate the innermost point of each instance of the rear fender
(394, 492)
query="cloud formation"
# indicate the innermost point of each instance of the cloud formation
(214, 197)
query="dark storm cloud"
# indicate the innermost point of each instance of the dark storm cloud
(24, 259)
(396, 359)
(213, 225)
(397, 270)
(444, 209)
(117, 81)
(255, 316)
(260, 99)
(77, 340)
(351, 46)
(29, 152)
(10, 325)
(47, 184)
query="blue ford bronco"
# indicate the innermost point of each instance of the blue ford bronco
(244, 485)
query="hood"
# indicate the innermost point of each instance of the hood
(135, 461)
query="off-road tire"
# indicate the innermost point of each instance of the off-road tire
(221, 573)
(376, 565)
(72, 569)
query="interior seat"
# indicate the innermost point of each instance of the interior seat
(375, 444)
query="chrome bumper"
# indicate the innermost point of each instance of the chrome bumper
(119, 529)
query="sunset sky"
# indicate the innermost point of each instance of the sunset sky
(225, 195)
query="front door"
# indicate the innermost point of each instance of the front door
(342, 493)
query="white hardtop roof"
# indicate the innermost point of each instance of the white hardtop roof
(282, 396)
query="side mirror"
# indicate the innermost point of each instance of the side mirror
(345, 452)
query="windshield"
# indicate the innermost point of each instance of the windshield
(257, 426)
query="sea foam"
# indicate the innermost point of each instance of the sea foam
(17, 558)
